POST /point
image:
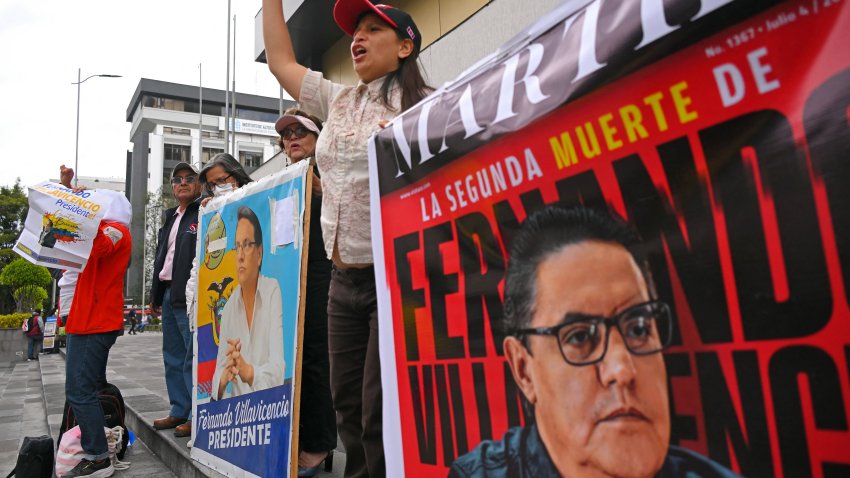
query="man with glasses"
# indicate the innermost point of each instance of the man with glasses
(175, 250)
(586, 334)
(250, 349)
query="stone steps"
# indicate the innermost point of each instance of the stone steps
(144, 463)
(142, 408)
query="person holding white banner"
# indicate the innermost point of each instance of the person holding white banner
(95, 320)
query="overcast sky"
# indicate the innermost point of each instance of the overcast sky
(45, 41)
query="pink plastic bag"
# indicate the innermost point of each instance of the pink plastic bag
(70, 451)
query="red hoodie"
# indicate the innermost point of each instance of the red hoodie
(98, 304)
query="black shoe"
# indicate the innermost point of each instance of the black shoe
(92, 469)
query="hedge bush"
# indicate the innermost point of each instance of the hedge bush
(13, 321)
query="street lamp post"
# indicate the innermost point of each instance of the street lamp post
(77, 144)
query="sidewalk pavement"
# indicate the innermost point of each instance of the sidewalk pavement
(41, 386)
(136, 362)
(135, 367)
(21, 409)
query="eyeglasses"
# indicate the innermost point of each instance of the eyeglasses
(190, 179)
(219, 181)
(646, 329)
(245, 246)
(297, 132)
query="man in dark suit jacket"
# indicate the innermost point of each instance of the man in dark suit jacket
(175, 251)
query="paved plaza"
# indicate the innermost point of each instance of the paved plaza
(32, 395)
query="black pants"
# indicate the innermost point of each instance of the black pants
(356, 370)
(318, 421)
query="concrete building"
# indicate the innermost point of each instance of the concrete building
(456, 34)
(165, 130)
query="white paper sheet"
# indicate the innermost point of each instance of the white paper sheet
(283, 225)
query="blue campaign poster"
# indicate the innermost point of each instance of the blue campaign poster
(249, 287)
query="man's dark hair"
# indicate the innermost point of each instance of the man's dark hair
(245, 212)
(548, 231)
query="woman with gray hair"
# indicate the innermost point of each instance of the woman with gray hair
(220, 176)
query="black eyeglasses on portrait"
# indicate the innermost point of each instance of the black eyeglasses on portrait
(245, 245)
(297, 132)
(583, 339)
(190, 179)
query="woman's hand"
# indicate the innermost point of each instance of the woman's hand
(317, 186)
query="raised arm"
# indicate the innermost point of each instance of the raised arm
(279, 52)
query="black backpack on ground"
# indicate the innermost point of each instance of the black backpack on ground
(114, 412)
(35, 460)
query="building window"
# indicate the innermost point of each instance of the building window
(178, 152)
(254, 115)
(180, 131)
(250, 159)
(209, 153)
(214, 134)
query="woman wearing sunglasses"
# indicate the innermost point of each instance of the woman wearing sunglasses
(317, 436)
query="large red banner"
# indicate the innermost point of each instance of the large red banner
(722, 135)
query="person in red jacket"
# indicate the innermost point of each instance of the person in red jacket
(96, 319)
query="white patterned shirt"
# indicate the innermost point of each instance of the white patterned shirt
(351, 114)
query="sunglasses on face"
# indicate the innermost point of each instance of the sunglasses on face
(184, 179)
(297, 132)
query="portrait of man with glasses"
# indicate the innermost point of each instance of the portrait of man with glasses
(250, 350)
(585, 332)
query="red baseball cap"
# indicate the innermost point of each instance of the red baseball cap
(348, 12)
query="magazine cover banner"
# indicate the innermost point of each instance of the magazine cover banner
(719, 130)
(61, 226)
(247, 319)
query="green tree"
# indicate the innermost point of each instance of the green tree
(13, 213)
(155, 205)
(29, 297)
(20, 276)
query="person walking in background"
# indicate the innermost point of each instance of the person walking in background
(95, 320)
(384, 49)
(317, 436)
(131, 319)
(35, 335)
(175, 251)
